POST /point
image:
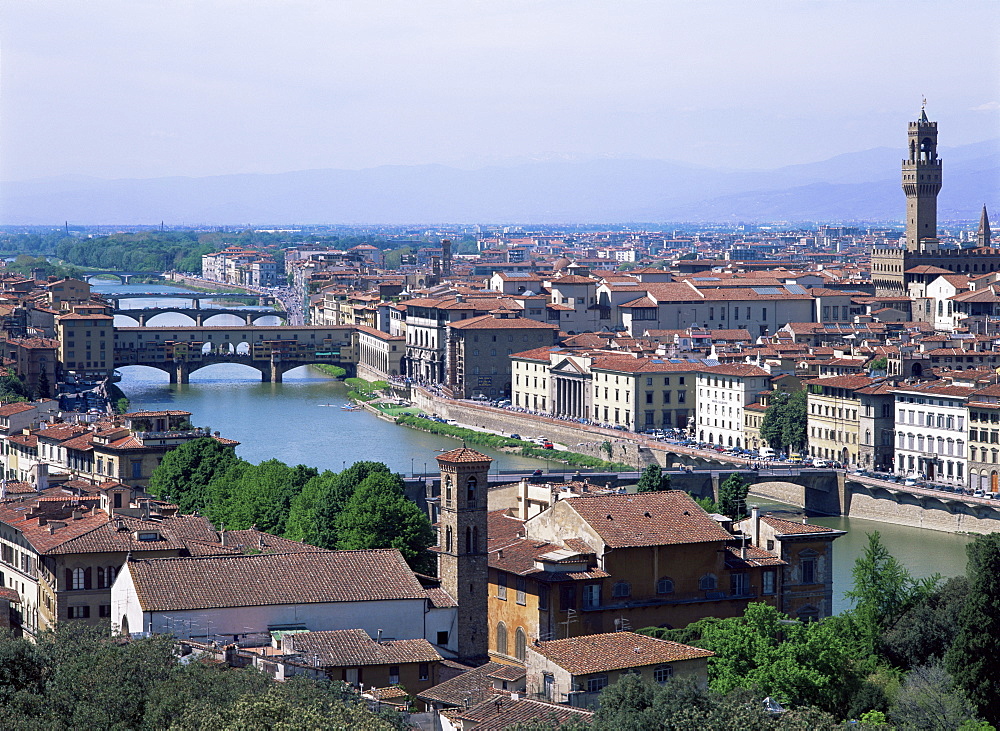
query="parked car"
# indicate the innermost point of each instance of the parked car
(820, 463)
(515, 436)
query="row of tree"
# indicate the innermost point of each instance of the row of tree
(83, 678)
(364, 506)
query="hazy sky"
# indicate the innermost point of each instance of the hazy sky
(134, 88)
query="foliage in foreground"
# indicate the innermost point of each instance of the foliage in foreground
(82, 677)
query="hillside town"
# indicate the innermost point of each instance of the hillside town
(868, 352)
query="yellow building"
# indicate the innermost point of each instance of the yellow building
(833, 423)
(642, 393)
(86, 340)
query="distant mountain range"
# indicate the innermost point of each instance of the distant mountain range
(852, 187)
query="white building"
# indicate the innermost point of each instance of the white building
(244, 598)
(723, 392)
(932, 432)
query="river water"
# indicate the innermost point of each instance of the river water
(300, 421)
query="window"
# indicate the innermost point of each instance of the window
(543, 597)
(808, 571)
(501, 586)
(622, 589)
(442, 637)
(567, 597)
(768, 578)
(707, 582)
(393, 674)
(502, 638)
(665, 586)
(663, 673)
(78, 612)
(520, 644)
(591, 596)
(104, 610)
(739, 584)
(471, 485)
(136, 469)
(78, 580)
(597, 683)
(424, 671)
(521, 590)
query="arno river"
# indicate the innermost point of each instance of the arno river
(300, 421)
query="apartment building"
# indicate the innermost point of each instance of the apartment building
(643, 393)
(932, 431)
(722, 394)
(86, 340)
(984, 439)
(834, 417)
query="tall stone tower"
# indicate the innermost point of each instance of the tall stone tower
(463, 562)
(922, 183)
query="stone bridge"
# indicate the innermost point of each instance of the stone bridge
(198, 316)
(274, 350)
(123, 276)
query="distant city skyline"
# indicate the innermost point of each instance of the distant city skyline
(116, 89)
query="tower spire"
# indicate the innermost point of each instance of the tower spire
(921, 175)
(983, 237)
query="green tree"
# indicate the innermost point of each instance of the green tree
(733, 496)
(971, 660)
(185, 472)
(794, 426)
(924, 633)
(930, 700)
(259, 495)
(772, 425)
(653, 479)
(793, 662)
(379, 515)
(883, 591)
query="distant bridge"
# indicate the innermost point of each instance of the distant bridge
(115, 298)
(198, 315)
(123, 276)
(180, 351)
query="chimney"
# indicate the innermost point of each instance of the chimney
(755, 524)
(222, 537)
(524, 499)
(77, 513)
(41, 471)
(378, 636)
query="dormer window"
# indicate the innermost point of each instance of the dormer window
(147, 535)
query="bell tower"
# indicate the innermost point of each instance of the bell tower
(463, 561)
(922, 183)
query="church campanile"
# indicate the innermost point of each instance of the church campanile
(463, 562)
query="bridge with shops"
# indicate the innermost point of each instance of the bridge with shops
(198, 306)
(180, 351)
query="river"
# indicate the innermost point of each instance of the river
(300, 421)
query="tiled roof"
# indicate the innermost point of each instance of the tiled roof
(474, 684)
(648, 519)
(440, 598)
(489, 322)
(345, 647)
(742, 557)
(463, 454)
(15, 408)
(614, 651)
(170, 584)
(508, 673)
(491, 715)
(790, 527)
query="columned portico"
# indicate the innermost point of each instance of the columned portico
(569, 398)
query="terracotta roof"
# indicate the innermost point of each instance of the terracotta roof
(508, 673)
(16, 408)
(790, 527)
(346, 647)
(169, 584)
(648, 519)
(440, 598)
(10, 595)
(464, 454)
(489, 322)
(474, 684)
(614, 651)
(489, 715)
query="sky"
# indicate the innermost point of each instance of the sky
(143, 89)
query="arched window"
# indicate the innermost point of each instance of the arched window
(447, 539)
(502, 638)
(447, 489)
(79, 579)
(468, 540)
(471, 485)
(707, 582)
(475, 540)
(663, 673)
(665, 586)
(622, 589)
(520, 644)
